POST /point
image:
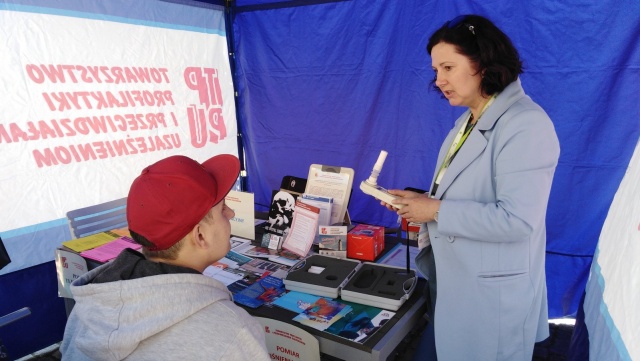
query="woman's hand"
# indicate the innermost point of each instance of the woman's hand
(416, 207)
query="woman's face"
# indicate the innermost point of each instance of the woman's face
(456, 76)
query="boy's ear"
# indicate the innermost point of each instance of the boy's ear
(197, 236)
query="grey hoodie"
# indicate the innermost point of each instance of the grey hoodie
(135, 309)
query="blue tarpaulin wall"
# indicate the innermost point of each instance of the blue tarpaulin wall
(337, 81)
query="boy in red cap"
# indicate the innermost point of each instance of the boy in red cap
(157, 305)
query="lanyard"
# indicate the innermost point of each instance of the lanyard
(459, 139)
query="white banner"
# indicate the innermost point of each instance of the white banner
(93, 92)
(88, 103)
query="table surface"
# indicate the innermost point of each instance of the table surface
(377, 347)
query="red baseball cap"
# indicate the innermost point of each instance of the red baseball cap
(172, 195)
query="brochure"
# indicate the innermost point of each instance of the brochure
(296, 301)
(243, 223)
(235, 259)
(323, 203)
(334, 182)
(262, 266)
(360, 323)
(281, 213)
(264, 291)
(237, 242)
(251, 250)
(303, 229)
(322, 313)
(221, 274)
(279, 256)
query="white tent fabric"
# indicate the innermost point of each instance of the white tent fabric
(613, 289)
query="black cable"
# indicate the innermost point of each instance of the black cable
(406, 232)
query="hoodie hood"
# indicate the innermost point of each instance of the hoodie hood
(115, 316)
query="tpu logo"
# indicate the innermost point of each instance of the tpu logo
(206, 122)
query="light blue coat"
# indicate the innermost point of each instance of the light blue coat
(489, 244)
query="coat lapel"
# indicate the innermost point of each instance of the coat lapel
(476, 142)
(470, 150)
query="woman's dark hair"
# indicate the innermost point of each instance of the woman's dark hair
(486, 46)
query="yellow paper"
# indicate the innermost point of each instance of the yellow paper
(89, 242)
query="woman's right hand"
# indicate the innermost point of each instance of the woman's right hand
(416, 207)
(400, 194)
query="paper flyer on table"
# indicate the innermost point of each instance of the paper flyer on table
(265, 290)
(221, 275)
(322, 313)
(296, 301)
(360, 323)
(111, 250)
(92, 241)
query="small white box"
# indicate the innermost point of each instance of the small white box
(332, 237)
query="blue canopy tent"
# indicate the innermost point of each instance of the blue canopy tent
(335, 81)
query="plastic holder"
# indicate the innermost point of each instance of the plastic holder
(381, 286)
(321, 275)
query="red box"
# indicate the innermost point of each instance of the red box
(365, 242)
(412, 228)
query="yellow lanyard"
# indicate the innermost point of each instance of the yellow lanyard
(459, 139)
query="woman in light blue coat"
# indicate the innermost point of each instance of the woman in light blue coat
(483, 222)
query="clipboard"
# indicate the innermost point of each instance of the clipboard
(334, 182)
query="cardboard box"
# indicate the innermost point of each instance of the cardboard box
(365, 242)
(332, 253)
(412, 228)
(332, 238)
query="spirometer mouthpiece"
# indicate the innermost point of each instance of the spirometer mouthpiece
(373, 178)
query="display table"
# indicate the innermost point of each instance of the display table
(379, 346)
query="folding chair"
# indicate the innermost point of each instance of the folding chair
(98, 218)
(15, 315)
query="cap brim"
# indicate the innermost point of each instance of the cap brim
(225, 169)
